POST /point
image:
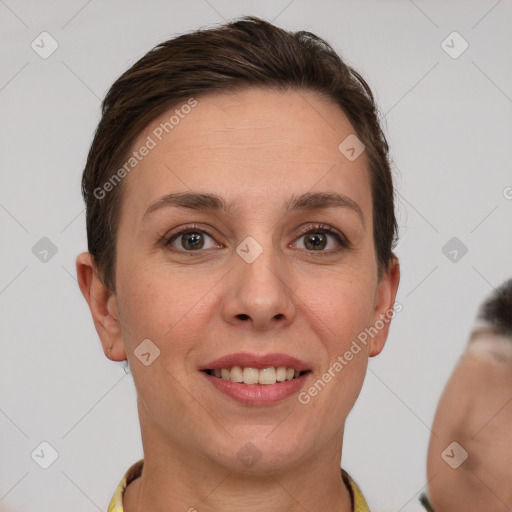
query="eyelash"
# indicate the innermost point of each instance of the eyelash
(315, 229)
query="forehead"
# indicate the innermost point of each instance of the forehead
(255, 143)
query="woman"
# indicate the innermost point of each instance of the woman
(241, 226)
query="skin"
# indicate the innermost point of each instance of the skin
(475, 410)
(255, 148)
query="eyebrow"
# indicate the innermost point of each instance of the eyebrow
(308, 201)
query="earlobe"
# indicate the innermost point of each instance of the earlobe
(384, 306)
(103, 306)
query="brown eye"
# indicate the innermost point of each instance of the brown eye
(189, 240)
(323, 239)
(192, 241)
(315, 241)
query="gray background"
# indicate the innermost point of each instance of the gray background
(449, 124)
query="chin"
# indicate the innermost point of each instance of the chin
(263, 453)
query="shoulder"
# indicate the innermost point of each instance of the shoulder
(133, 472)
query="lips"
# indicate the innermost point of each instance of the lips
(257, 379)
(247, 360)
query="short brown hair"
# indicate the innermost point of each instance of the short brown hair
(248, 51)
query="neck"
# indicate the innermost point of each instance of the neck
(293, 492)
(174, 480)
(179, 477)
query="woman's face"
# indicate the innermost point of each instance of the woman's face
(247, 284)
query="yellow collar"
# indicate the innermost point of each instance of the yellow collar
(135, 471)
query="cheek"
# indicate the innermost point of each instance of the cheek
(343, 304)
(164, 308)
(159, 305)
(340, 314)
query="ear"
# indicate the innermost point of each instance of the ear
(384, 302)
(103, 305)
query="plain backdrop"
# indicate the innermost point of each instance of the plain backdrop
(448, 118)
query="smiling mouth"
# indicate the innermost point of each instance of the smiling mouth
(251, 376)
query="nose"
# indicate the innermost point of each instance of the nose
(260, 293)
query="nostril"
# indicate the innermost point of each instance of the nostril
(243, 316)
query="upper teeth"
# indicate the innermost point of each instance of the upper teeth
(269, 375)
